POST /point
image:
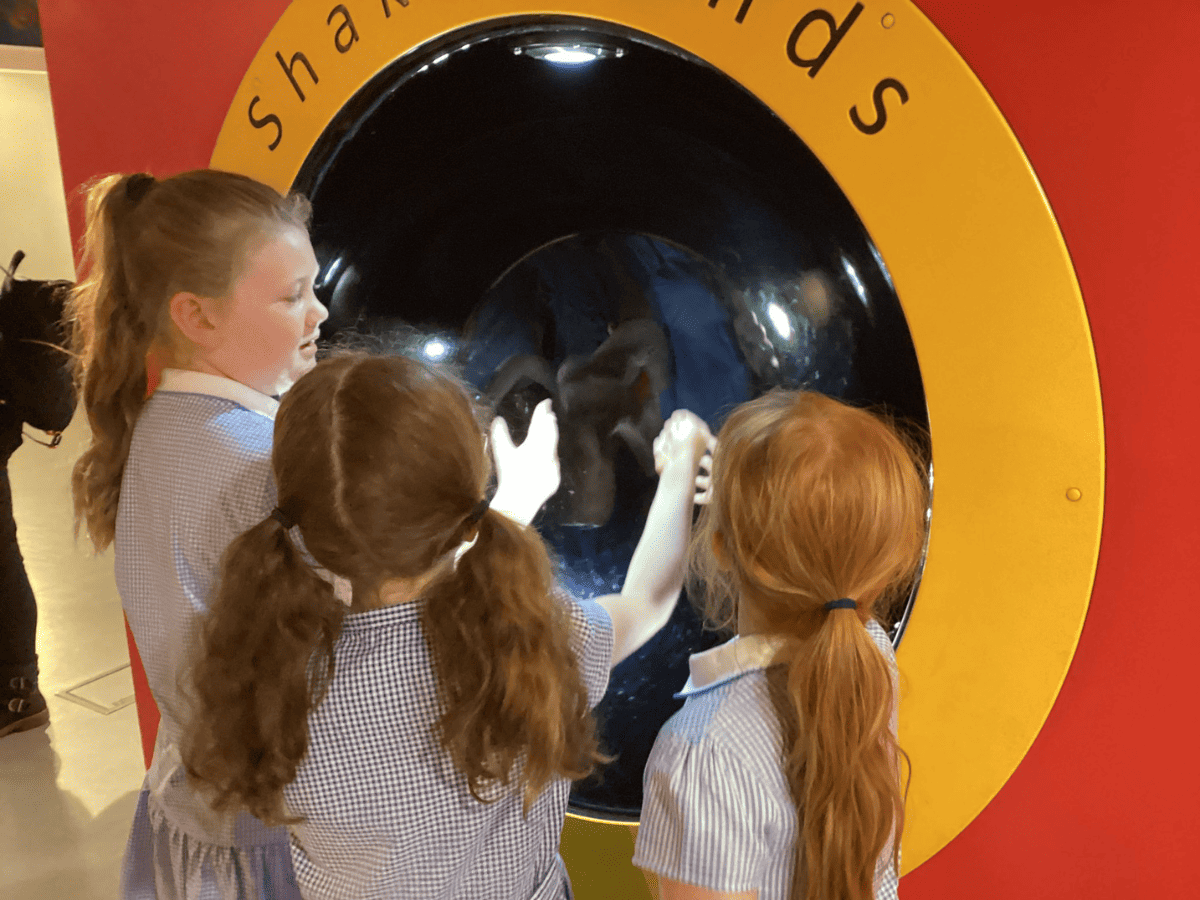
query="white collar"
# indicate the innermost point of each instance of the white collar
(734, 658)
(186, 381)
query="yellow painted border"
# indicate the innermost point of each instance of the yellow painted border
(990, 297)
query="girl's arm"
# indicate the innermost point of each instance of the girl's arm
(655, 577)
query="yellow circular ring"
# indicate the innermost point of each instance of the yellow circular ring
(988, 290)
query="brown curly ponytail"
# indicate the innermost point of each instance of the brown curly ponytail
(268, 657)
(381, 462)
(512, 687)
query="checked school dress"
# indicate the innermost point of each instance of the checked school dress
(716, 810)
(386, 813)
(197, 476)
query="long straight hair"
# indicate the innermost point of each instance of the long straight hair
(381, 461)
(144, 241)
(814, 500)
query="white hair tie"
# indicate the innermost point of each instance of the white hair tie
(463, 548)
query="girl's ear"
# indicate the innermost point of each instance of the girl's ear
(192, 315)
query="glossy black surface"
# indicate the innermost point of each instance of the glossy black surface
(630, 236)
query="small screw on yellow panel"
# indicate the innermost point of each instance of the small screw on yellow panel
(1074, 494)
(888, 20)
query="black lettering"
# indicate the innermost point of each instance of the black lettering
(741, 14)
(268, 119)
(836, 33)
(347, 23)
(880, 110)
(289, 70)
(387, 10)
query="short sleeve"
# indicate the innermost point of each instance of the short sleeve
(244, 482)
(884, 643)
(705, 819)
(887, 883)
(592, 642)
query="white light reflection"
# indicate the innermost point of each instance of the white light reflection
(887, 276)
(435, 349)
(855, 280)
(570, 56)
(334, 269)
(780, 319)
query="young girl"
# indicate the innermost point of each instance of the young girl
(779, 778)
(212, 273)
(420, 744)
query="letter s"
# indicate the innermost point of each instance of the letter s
(880, 111)
(268, 119)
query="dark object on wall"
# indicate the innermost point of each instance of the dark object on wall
(35, 388)
(19, 23)
(35, 378)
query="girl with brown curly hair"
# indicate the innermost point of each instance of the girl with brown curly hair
(780, 779)
(212, 274)
(421, 743)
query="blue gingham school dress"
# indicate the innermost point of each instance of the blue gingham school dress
(387, 814)
(716, 810)
(198, 475)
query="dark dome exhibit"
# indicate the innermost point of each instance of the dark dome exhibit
(561, 208)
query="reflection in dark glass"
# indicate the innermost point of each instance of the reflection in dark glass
(628, 236)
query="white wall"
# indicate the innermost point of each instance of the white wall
(33, 211)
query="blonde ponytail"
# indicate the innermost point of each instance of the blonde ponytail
(110, 337)
(144, 241)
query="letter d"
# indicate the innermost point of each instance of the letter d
(836, 33)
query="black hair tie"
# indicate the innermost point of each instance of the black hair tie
(844, 603)
(282, 518)
(477, 511)
(138, 186)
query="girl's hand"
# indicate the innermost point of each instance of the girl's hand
(528, 475)
(704, 476)
(686, 440)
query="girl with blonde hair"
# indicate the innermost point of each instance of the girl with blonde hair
(780, 779)
(211, 273)
(420, 743)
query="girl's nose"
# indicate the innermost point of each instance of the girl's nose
(317, 313)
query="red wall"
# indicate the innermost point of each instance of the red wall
(1103, 96)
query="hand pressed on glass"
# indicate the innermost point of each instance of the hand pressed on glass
(527, 475)
(686, 437)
